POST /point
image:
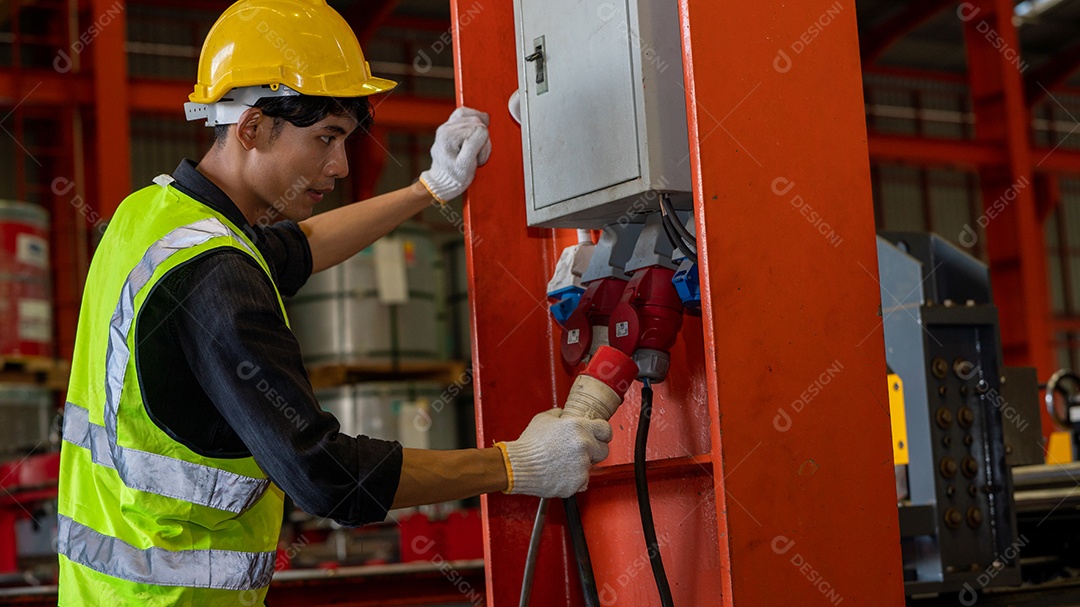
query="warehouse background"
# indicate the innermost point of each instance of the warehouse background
(91, 95)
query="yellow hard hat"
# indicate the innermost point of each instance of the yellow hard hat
(302, 44)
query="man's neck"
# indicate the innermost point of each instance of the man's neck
(211, 166)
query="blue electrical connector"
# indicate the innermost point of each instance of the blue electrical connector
(568, 298)
(687, 285)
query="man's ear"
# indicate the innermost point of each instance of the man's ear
(248, 128)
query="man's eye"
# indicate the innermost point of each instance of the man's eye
(326, 139)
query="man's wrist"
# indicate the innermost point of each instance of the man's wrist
(508, 470)
(421, 190)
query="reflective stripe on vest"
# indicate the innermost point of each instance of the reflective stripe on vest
(213, 487)
(221, 569)
(141, 470)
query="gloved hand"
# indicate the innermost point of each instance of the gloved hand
(553, 456)
(461, 145)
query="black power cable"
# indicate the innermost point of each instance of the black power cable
(581, 552)
(680, 229)
(531, 555)
(676, 241)
(644, 506)
(669, 221)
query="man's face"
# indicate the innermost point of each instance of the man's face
(300, 165)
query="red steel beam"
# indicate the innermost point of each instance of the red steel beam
(923, 150)
(1015, 240)
(911, 16)
(417, 23)
(789, 517)
(914, 73)
(148, 96)
(964, 153)
(1056, 160)
(111, 108)
(508, 267)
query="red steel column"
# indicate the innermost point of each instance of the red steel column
(112, 116)
(508, 264)
(787, 359)
(1014, 233)
(805, 494)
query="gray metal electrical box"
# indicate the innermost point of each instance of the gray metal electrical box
(603, 109)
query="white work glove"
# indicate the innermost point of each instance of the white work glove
(461, 145)
(554, 454)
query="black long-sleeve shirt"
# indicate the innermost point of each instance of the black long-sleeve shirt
(221, 372)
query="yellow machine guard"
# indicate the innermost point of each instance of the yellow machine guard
(899, 420)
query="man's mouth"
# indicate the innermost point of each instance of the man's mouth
(317, 195)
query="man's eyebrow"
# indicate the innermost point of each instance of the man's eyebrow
(333, 128)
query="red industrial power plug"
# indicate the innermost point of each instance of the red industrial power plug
(646, 321)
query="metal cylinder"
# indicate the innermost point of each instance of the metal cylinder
(340, 316)
(26, 309)
(1060, 500)
(420, 415)
(1062, 475)
(26, 414)
(1046, 488)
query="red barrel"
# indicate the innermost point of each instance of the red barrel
(26, 325)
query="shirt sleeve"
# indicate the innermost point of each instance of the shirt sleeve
(249, 363)
(287, 252)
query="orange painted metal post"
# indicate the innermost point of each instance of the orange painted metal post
(801, 448)
(770, 452)
(508, 265)
(112, 116)
(1014, 233)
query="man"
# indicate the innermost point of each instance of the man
(175, 462)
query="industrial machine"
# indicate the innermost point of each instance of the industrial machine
(979, 510)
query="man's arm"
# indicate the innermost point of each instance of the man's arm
(441, 476)
(461, 145)
(551, 458)
(339, 234)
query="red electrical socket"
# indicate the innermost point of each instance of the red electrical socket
(600, 298)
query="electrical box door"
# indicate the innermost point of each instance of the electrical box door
(603, 111)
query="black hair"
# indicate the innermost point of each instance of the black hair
(305, 110)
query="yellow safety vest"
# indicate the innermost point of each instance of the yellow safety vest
(143, 520)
